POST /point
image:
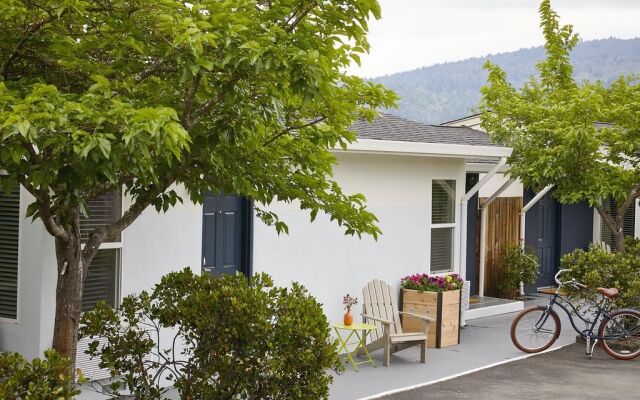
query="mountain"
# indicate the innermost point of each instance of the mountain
(444, 92)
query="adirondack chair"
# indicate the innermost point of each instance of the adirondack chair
(380, 307)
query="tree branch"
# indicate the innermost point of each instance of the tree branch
(608, 219)
(297, 17)
(291, 129)
(630, 200)
(44, 207)
(28, 33)
(188, 100)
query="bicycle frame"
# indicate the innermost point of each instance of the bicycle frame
(590, 324)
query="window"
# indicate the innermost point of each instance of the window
(103, 275)
(443, 197)
(9, 233)
(628, 222)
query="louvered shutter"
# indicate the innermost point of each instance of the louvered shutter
(443, 201)
(101, 281)
(628, 223)
(9, 233)
(443, 197)
(103, 211)
(441, 249)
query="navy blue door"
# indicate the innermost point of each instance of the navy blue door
(546, 240)
(225, 236)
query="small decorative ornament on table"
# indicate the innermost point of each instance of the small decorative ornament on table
(348, 302)
(438, 296)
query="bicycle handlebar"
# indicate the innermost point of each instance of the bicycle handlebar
(571, 282)
(558, 274)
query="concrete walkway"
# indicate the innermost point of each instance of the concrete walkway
(565, 373)
(484, 342)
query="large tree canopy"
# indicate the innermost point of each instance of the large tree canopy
(240, 96)
(555, 126)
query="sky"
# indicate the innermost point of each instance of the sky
(417, 33)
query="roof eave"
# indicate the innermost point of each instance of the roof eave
(372, 146)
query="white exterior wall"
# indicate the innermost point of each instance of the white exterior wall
(154, 245)
(330, 264)
(318, 255)
(35, 247)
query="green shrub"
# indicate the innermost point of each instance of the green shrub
(40, 379)
(599, 268)
(517, 265)
(238, 339)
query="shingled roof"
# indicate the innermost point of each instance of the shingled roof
(391, 127)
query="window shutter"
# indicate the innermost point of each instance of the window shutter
(628, 222)
(441, 249)
(443, 197)
(101, 280)
(9, 234)
(103, 211)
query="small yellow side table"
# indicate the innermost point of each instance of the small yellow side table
(360, 343)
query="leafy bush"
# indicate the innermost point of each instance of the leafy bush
(599, 268)
(41, 379)
(517, 265)
(234, 339)
(432, 283)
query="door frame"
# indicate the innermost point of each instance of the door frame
(246, 225)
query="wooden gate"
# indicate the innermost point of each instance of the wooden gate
(503, 231)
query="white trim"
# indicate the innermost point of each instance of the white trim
(372, 146)
(467, 372)
(449, 225)
(636, 225)
(110, 245)
(481, 168)
(597, 226)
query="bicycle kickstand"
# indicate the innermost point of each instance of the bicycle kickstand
(590, 346)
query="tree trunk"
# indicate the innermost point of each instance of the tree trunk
(68, 296)
(618, 237)
(615, 224)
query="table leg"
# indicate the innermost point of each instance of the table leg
(362, 343)
(343, 346)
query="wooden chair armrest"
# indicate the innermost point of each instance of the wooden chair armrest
(419, 316)
(383, 321)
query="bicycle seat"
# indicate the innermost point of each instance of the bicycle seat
(609, 293)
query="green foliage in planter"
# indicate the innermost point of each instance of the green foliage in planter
(41, 379)
(517, 265)
(230, 339)
(599, 268)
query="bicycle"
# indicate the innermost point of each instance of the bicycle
(618, 332)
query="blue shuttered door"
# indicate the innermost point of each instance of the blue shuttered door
(224, 236)
(546, 240)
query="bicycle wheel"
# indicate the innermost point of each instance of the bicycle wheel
(535, 329)
(623, 331)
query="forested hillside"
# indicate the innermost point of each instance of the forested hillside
(443, 92)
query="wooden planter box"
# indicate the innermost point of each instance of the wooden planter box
(444, 306)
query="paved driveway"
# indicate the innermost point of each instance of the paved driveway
(562, 374)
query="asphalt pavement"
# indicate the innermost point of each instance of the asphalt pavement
(561, 374)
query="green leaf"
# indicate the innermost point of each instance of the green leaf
(23, 127)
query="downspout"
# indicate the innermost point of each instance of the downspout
(463, 213)
(483, 232)
(523, 215)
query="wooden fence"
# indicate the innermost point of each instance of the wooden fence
(503, 230)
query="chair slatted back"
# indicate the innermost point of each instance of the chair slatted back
(380, 301)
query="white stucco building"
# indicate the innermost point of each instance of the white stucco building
(413, 176)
